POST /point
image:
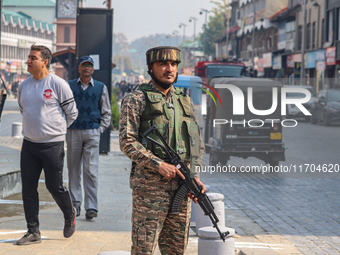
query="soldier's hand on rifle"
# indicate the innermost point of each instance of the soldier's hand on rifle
(204, 189)
(169, 171)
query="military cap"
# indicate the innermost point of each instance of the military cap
(163, 53)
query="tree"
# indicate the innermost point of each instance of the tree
(216, 26)
(120, 45)
(115, 108)
(123, 63)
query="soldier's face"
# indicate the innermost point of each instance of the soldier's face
(165, 71)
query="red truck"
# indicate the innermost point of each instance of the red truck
(211, 69)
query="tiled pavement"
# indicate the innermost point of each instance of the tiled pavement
(303, 210)
(271, 214)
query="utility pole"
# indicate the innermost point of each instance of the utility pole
(183, 25)
(302, 68)
(205, 27)
(174, 33)
(190, 20)
(108, 4)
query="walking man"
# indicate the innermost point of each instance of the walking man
(48, 108)
(83, 136)
(152, 179)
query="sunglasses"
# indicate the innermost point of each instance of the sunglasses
(87, 65)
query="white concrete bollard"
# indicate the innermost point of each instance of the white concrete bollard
(203, 220)
(16, 129)
(209, 241)
(115, 253)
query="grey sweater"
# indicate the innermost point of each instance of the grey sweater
(47, 108)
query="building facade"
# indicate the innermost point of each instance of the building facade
(276, 49)
(18, 33)
(43, 10)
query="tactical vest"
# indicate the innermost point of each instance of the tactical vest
(173, 120)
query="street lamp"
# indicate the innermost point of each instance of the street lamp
(184, 26)
(205, 26)
(175, 33)
(194, 19)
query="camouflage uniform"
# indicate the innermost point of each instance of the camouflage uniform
(152, 194)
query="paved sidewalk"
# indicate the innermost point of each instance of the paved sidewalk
(111, 230)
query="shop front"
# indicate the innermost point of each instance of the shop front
(332, 72)
(312, 58)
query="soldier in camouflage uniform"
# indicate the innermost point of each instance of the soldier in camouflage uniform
(152, 179)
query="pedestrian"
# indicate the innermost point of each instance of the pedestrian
(83, 137)
(152, 179)
(48, 108)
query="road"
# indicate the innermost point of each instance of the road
(9, 115)
(302, 207)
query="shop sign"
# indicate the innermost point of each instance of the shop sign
(291, 59)
(22, 43)
(311, 57)
(3, 65)
(290, 62)
(289, 45)
(260, 67)
(15, 65)
(320, 55)
(297, 58)
(277, 62)
(267, 60)
(256, 59)
(320, 65)
(297, 69)
(330, 56)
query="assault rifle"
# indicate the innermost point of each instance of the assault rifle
(186, 185)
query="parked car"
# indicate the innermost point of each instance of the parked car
(292, 110)
(326, 108)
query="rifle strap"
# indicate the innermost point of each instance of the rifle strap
(177, 120)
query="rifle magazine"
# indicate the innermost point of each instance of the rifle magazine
(178, 198)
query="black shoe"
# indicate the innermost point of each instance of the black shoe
(29, 238)
(70, 225)
(90, 214)
(78, 211)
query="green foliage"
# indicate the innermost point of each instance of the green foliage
(115, 92)
(115, 108)
(215, 26)
(123, 62)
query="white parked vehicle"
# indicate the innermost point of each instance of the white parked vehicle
(293, 111)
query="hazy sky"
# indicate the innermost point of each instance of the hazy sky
(137, 18)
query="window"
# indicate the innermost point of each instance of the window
(67, 34)
(330, 26)
(308, 44)
(299, 38)
(322, 31)
(338, 24)
(313, 34)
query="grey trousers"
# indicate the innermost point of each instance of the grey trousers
(83, 152)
